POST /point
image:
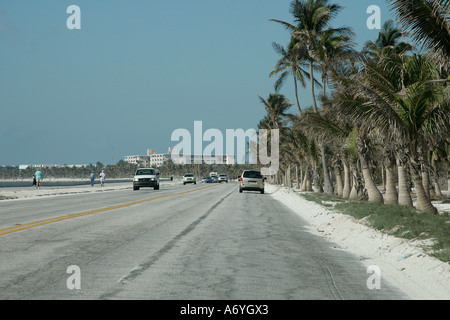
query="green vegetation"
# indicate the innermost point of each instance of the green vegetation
(396, 220)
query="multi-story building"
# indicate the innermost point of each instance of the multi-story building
(158, 159)
(141, 160)
(153, 159)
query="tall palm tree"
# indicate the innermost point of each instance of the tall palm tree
(332, 47)
(428, 22)
(276, 106)
(311, 18)
(388, 42)
(291, 64)
(312, 21)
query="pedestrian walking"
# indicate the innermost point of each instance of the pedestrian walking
(102, 178)
(92, 178)
(38, 175)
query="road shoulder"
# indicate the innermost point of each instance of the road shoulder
(402, 262)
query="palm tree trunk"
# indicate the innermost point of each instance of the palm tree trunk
(354, 191)
(372, 190)
(339, 184)
(404, 196)
(306, 185)
(288, 177)
(423, 201)
(391, 192)
(296, 94)
(437, 187)
(347, 182)
(426, 182)
(328, 186)
(317, 187)
(304, 182)
(448, 184)
(311, 76)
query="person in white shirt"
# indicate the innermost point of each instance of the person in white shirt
(102, 178)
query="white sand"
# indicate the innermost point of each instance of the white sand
(402, 262)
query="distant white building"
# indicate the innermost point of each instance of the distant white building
(158, 159)
(153, 159)
(141, 160)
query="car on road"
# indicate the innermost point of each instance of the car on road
(214, 176)
(146, 177)
(223, 178)
(189, 178)
(251, 180)
(206, 180)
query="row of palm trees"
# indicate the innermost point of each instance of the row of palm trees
(383, 114)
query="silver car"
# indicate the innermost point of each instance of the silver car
(223, 178)
(189, 178)
(251, 180)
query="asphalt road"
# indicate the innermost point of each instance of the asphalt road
(179, 242)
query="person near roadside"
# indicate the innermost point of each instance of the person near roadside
(102, 178)
(92, 176)
(38, 175)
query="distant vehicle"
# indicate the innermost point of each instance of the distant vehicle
(206, 180)
(223, 178)
(146, 177)
(214, 176)
(189, 178)
(251, 180)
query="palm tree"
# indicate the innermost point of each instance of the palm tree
(406, 104)
(332, 47)
(428, 22)
(276, 106)
(312, 17)
(290, 64)
(388, 42)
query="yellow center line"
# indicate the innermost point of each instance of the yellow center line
(34, 224)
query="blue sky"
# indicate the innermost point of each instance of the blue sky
(136, 71)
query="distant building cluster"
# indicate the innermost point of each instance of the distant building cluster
(154, 159)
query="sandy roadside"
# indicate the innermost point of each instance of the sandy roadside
(402, 262)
